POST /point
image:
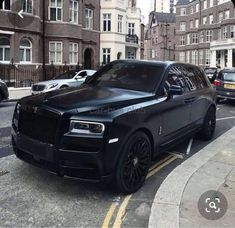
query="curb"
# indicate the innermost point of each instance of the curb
(166, 205)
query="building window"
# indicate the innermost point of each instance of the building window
(209, 36)
(232, 30)
(219, 34)
(183, 12)
(182, 57)
(194, 38)
(211, 3)
(201, 37)
(131, 29)
(191, 10)
(120, 23)
(5, 5)
(197, 7)
(196, 23)
(188, 39)
(4, 50)
(55, 52)
(27, 6)
(208, 60)
(89, 18)
(25, 51)
(204, 20)
(73, 53)
(106, 55)
(188, 56)
(182, 26)
(205, 4)
(73, 11)
(131, 54)
(182, 40)
(221, 16)
(211, 19)
(201, 54)
(226, 14)
(195, 57)
(225, 32)
(55, 10)
(106, 22)
(191, 24)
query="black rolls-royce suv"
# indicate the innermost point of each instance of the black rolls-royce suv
(116, 123)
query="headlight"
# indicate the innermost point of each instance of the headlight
(84, 127)
(51, 86)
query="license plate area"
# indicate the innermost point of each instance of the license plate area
(229, 86)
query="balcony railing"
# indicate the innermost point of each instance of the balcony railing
(132, 39)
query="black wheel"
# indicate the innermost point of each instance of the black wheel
(134, 163)
(208, 127)
(218, 100)
(0, 97)
(64, 87)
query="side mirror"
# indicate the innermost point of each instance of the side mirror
(175, 90)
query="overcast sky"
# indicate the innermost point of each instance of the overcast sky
(145, 8)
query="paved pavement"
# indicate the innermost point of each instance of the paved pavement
(212, 168)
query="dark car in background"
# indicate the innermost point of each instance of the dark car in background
(225, 84)
(211, 73)
(4, 94)
(116, 124)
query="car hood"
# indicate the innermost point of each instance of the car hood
(87, 98)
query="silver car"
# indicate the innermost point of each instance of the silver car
(68, 79)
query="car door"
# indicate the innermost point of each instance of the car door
(80, 78)
(176, 109)
(197, 86)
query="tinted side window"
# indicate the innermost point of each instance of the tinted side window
(195, 79)
(83, 74)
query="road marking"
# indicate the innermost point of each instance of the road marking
(109, 215)
(189, 146)
(226, 118)
(121, 212)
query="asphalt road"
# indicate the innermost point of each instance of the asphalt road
(65, 202)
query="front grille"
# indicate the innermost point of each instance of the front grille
(38, 87)
(38, 127)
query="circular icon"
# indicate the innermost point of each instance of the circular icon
(212, 205)
(23, 15)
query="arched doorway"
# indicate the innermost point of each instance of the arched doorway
(88, 59)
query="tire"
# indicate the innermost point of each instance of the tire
(133, 164)
(64, 87)
(218, 100)
(209, 124)
(1, 97)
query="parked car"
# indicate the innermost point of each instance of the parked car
(225, 84)
(114, 125)
(4, 94)
(68, 79)
(211, 73)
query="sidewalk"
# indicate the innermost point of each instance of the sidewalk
(18, 93)
(212, 168)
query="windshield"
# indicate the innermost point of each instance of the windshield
(128, 76)
(229, 77)
(210, 70)
(67, 75)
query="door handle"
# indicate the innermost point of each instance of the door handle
(189, 100)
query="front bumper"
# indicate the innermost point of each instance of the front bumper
(225, 94)
(64, 160)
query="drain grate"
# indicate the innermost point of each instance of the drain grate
(3, 172)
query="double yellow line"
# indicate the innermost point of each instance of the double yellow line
(122, 209)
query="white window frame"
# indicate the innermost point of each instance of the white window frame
(57, 9)
(191, 23)
(89, 18)
(221, 16)
(191, 9)
(182, 40)
(73, 52)
(227, 14)
(208, 57)
(211, 2)
(197, 7)
(182, 26)
(27, 10)
(188, 53)
(194, 38)
(195, 57)
(131, 29)
(183, 11)
(73, 11)
(201, 38)
(106, 55)
(201, 55)
(196, 23)
(25, 48)
(204, 20)
(182, 56)
(107, 23)
(232, 31)
(4, 5)
(211, 19)
(209, 36)
(225, 33)
(56, 52)
(4, 47)
(205, 4)
(120, 19)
